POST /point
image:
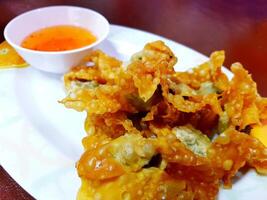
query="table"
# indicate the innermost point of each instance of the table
(239, 27)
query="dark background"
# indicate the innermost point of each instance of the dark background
(238, 26)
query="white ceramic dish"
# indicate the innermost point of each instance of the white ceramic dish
(40, 140)
(56, 62)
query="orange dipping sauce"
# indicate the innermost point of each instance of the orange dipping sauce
(59, 38)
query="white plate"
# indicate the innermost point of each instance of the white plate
(40, 140)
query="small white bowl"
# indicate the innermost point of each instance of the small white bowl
(57, 61)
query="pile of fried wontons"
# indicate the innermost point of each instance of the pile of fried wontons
(154, 133)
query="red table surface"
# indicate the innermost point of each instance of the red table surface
(239, 27)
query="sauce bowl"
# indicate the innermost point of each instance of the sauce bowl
(55, 61)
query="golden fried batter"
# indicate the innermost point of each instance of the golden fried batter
(154, 133)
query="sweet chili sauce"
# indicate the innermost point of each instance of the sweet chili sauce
(59, 38)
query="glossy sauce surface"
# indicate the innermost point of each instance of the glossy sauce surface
(59, 38)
